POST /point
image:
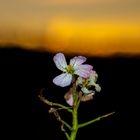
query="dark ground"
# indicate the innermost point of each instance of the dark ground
(24, 73)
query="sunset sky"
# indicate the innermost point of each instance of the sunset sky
(94, 27)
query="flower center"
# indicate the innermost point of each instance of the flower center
(70, 69)
(85, 83)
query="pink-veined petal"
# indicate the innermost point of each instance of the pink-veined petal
(69, 97)
(77, 60)
(70, 100)
(84, 70)
(60, 61)
(63, 80)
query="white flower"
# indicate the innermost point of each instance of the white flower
(76, 67)
(87, 83)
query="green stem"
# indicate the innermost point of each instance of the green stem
(75, 116)
(95, 120)
(75, 124)
(54, 104)
(66, 124)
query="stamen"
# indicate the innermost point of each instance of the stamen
(70, 69)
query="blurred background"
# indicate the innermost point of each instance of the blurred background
(92, 27)
(107, 32)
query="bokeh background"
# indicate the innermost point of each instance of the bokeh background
(107, 32)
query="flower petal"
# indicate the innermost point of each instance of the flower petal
(69, 97)
(60, 61)
(63, 80)
(97, 88)
(77, 60)
(87, 97)
(93, 76)
(84, 70)
(70, 100)
(79, 81)
(86, 91)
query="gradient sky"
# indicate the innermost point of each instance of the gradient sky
(102, 26)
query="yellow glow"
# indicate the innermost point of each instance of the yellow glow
(91, 27)
(93, 38)
(87, 37)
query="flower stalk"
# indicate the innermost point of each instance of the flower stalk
(83, 79)
(74, 114)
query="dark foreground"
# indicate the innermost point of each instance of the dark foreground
(24, 73)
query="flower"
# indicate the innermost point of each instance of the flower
(76, 67)
(69, 97)
(85, 93)
(86, 84)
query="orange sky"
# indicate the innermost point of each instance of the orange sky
(94, 37)
(91, 27)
